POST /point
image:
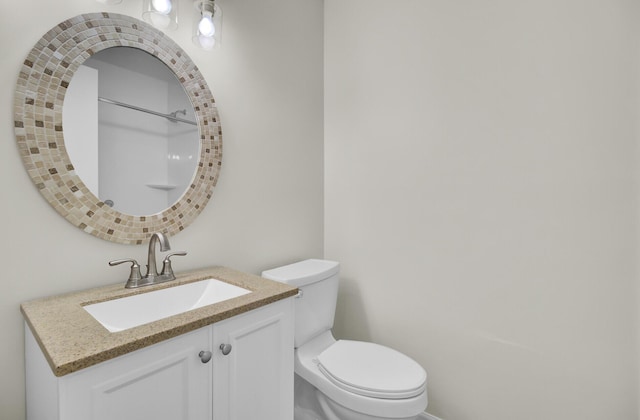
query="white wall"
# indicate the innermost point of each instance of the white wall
(480, 193)
(184, 145)
(138, 149)
(133, 144)
(267, 207)
(80, 121)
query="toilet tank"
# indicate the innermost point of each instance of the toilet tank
(315, 306)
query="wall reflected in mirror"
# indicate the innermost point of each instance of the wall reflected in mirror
(130, 131)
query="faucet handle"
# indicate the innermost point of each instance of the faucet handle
(134, 276)
(167, 270)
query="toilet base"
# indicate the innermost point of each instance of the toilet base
(311, 404)
(335, 411)
(307, 406)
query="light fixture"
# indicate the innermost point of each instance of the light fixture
(162, 14)
(207, 24)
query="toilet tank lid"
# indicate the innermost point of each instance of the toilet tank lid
(304, 272)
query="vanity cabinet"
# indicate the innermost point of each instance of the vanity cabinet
(173, 380)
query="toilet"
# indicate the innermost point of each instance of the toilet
(344, 379)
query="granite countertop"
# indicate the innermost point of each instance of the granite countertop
(71, 339)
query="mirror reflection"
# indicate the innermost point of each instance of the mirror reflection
(130, 131)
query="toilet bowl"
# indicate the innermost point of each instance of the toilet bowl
(344, 379)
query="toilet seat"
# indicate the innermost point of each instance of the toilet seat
(372, 370)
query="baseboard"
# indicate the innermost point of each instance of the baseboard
(427, 416)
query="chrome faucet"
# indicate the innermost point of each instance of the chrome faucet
(152, 271)
(152, 276)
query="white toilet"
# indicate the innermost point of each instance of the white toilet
(343, 379)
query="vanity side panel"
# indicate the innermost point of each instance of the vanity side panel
(41, 383)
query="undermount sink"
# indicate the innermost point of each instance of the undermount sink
(128, 312)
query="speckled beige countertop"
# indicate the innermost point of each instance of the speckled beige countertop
(71, 339)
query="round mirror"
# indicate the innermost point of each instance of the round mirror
(44, 136)
(130, 131)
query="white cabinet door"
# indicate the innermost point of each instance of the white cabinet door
(255, 380)
(166, 381)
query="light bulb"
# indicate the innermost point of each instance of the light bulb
(206, 42)
(205, 26)
(162, 6)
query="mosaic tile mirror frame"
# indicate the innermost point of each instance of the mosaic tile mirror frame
(42, 83)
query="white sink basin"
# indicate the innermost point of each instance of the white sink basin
(128, 312)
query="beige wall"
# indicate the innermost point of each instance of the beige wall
(480, 164)
(267, 208)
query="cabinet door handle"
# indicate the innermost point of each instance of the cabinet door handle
(205, 356)
(225, 348)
